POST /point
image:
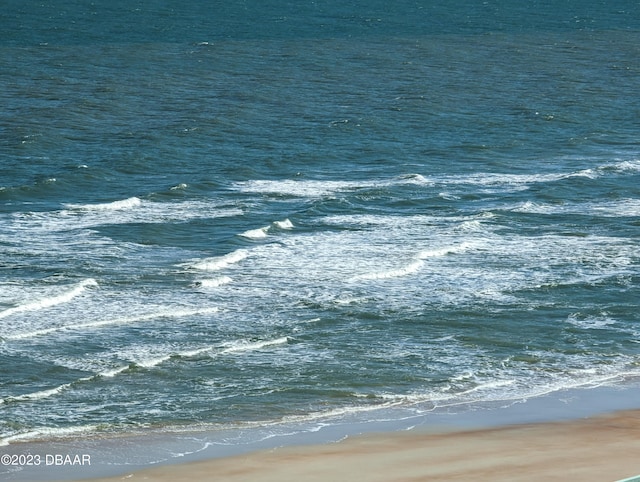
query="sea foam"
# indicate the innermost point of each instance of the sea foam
(128, 203)
(256, 233)
(221, 262)
(409, 269)
(284, 224)
(244, 346)
(169, 312)
(213, 282)
(47, 302)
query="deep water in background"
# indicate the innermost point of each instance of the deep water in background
(218, 216)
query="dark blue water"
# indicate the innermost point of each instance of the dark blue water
(215, 216)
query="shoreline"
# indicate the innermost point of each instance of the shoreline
(402, 432)
(602, 448)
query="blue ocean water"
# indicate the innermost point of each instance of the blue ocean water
(229, 215)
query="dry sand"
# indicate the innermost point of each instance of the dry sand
(598, 449)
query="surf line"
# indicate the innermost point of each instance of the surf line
(231, 348)
(415, 265)
(51, 301)
(116, 321)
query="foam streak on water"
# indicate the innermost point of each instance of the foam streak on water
(53, 300)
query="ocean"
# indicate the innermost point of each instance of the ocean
(217, 216)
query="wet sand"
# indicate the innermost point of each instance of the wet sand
(599, 449)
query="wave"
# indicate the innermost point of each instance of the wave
(42, 394)
(591, 322)
(433, 253)
(231, 348)
(127, 211)
(48, 433)
(261, 233)
(620, 167)
(256, 233)
(415, 265)
(154, 361)
(322, 188)
(48, 302)
(244, 346)
(524, 180)
(168, 313)
(409, 269)
(476, 392)
(617, 208)
(212, 283)
(417, 179)
(113, 372)
(501, 179)
(123, 204)
(284, 224)
(234, 347)
(220, 262)
(314, 188)
(297, 188)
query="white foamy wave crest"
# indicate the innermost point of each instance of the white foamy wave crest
(42, 394)
(221, 262)
(499, 179)
(284, 224)
(129, 203)
(534, 208)
(488, 386)
(318, 188)
(415, 265)
(617, 208)
(287, 187)
(113, 372)
(448, 196)
(168, 313)
(520, 182)
(620, 167)
(433, 253)
(591, 322)
(212, 283)
(630, 165)
(409, 269)
(48, 433)
(256, 233)
(244, 346)
(132, 210)
(620, 208)
(149, 362)
(417, 179)
(153, 361)
(588, 173)
(473, 226)
(262, 232)
(196, 352)
(494, 390)
(50, 301)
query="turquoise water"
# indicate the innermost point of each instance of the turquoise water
(229, 216)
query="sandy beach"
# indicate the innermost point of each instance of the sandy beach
(602, 448)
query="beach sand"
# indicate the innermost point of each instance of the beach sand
(599, 449)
